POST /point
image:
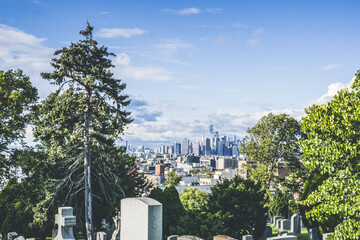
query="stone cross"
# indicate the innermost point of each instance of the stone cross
(12, 235)
(65, 221)
(100, 236)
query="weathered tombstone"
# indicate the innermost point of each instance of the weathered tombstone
(295, 223)
(314, 234)
(247, 237)
(100, 236)
(65, 221)
(283, 238)
(12, 235)
(141, 218)
(277, 225)
(20, 238)
(188, 237)
(326, 235)
(223, 237)
(276, 218)
(285, 225)
(173, 237)
(282, 233)
(267, 233)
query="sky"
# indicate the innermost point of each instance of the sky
(189, 63)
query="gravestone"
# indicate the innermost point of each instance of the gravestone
(282, 233)
(325, 235)
(141, 218)
(314, 234)
(295, 223)
(247, 237)
(223, 237)
(188, 237)
(277, 225)
(173, 237)
(285, 225)
(20, 238)
(65, 221)
(267, 233)
(276, 218)
(100, 236)
(12, 235)
(283, 238)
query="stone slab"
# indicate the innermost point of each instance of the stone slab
(276, 218)
(247, 237)
(295, 223)
(285, 225)
(141, 218)
(282, 238)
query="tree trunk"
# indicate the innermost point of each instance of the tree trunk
(87, 175)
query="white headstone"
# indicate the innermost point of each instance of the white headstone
(276, 218)
(247, 237)
(277, 223)
(283, 238)
(296, 223)
(141, 218)
(173, 237)
(100, 236)
(65, 221)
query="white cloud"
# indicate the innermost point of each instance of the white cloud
(124, 69)
(213, 10)
(22, 50)
(189, 87)
(219, 40)
(330, 67)
(239, 25)
(119, 32)
(254, 41)
(184, 11)
(172, 46)
(332, 91)
(103, 13)
(258, 31)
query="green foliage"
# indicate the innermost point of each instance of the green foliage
(274, 139)
(172, 208)
(243, 202)
(77, 127)
(193, 198)
(332, 150)
(172, 178)
(16, 97)
(279, 204)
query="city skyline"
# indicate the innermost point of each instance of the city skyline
(187, 64)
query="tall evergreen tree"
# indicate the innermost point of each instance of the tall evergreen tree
(79, 125)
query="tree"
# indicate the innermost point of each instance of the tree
(279, 204)
(172, 178)
(243, 202)
(78, 126)
(272, 141)
(16, 97)
(172, 208)
(193, 199)
(332, 150)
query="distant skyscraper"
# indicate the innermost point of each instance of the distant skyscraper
(185, 146)
(177, 148)
(211, 129)
(196, 148)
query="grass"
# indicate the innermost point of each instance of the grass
(301, 236)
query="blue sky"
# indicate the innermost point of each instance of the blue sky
(187, 63)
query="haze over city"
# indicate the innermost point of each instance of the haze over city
(189, 63)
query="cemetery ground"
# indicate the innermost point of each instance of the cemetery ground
(301, 236)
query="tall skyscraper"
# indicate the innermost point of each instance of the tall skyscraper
(185, 146)
(177, 148)
(211, 129)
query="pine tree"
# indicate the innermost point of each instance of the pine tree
(79, 123)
